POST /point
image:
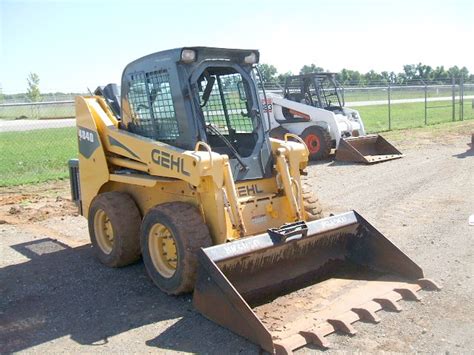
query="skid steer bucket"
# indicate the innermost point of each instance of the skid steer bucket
(295, 285)
(366, 149)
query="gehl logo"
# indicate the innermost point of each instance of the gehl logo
(168, 161)
(248, 190)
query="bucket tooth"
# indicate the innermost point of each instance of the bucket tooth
(342, 326)
(389, 303)
(428, 284)
(366, 314)
(408, 294)
(283, 349)
(313, 337)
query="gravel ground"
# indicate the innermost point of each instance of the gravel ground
(57, 298)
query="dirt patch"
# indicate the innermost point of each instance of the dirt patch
(441, 134)
(35, 205)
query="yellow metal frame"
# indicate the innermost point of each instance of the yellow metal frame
(200, 177)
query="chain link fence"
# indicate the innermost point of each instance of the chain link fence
(37, 139)
(384, 106)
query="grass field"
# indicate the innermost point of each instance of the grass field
(36, 156)
(410, 115)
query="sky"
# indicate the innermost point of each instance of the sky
(74, 45)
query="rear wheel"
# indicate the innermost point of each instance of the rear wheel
(318, 141)
(114, 228)
(171, 236)
(312, 206)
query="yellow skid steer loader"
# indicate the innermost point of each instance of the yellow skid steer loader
(178, 168)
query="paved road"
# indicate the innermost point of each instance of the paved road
(403, 101)
(29, 125)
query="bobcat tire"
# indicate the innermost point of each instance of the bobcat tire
(171, 236)
(318, 141)
(114, 228)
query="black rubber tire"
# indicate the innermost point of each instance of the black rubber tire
(190, 234)
(318, 141)
(125, 218)
(312, 206)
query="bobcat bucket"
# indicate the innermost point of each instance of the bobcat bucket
(368, 149)
(297, 284)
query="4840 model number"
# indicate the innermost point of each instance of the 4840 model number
(85, 135)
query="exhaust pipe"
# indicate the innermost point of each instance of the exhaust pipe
(297, 284)
(366, 149)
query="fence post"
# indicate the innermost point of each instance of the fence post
(453, 89)
(389, 91)
(461, 98)
(426, 104)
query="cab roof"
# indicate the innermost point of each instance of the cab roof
(202, 53)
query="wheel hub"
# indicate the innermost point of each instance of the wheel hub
(104, 231)
(163, 250)
(313, 143)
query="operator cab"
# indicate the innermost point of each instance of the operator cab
(316, 89)
(186, 95)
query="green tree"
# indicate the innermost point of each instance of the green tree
(269, 73)
(457, 72)
(282, 77)
(349, 77)
(307, 69)
(440, 74)
(1, 94)
(409, 72)
(424, 72)
(464, 72)
(372, 77)
(33, 91)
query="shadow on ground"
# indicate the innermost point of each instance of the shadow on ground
(331, 161)
(467, 153)
(63, 291)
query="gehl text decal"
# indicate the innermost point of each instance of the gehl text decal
(168, 161)
(248, 190)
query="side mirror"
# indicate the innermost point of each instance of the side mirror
(240, 87)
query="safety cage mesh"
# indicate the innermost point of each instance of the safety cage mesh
(225, 109)
(152, 106)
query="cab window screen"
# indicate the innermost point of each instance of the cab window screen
(152, 105)
(227, 106)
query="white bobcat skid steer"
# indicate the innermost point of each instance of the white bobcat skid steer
(312, 107)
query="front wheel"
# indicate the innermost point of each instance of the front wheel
(170, 237)
(318, 141)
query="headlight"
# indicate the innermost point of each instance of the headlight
(188, 56)
(251, 58)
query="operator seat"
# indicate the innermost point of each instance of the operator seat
(111, 94)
